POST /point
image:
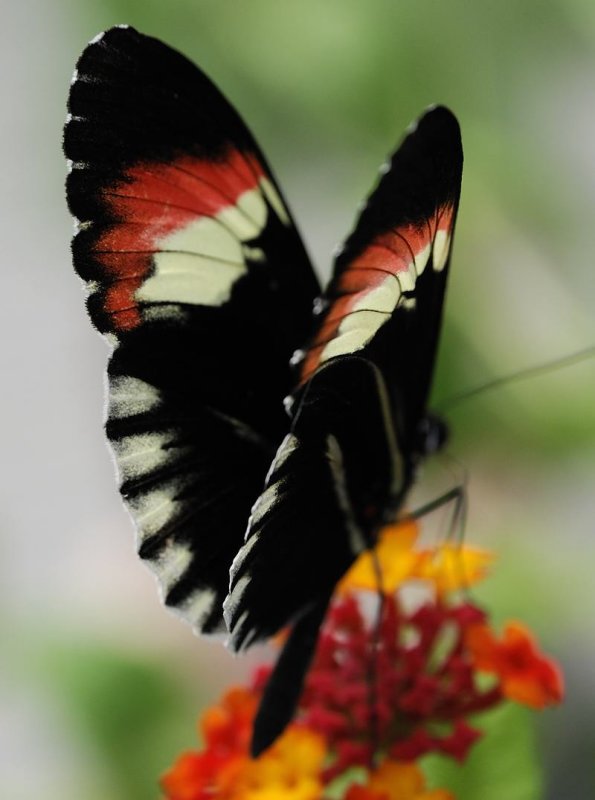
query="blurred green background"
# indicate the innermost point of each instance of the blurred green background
(100, 687)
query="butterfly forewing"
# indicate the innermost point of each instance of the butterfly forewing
(200, 281)
(384, 302)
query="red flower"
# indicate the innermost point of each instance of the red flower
(387, 685)
(526, 675)
(402, 689)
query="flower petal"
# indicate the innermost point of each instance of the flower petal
(395, 780)
(526, 674)
(396, 557)
(451, 567)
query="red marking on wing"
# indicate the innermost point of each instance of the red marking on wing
(388, 254)
(152, 201)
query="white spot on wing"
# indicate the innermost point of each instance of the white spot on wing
(152, 510)
(297, 357)
(171, 564)
(140, 454)
(407, 277)
(421, 259)
(232, 641)
(288, 403)
(285, 449)
(243, 553)
(264, 504)
(111, 339)
(234, 598)
(239, 557)
(247, 217)
(272, 196)
(97, 38)
(353, 334)
(183, 277)
(197, 606)
(165, 311)
(441, 249)
(254, 253)
(319, 305)
(383, 298)
(201, 262)
(129, 396)
(412, 127)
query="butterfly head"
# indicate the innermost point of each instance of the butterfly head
(432, 435)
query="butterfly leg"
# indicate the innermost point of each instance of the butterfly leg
(457, 495)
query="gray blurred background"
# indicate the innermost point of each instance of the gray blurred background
(100, 687)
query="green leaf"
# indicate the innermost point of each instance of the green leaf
(504, 763)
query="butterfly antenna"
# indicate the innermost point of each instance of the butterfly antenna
(520, 375)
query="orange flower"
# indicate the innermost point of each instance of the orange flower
(447, 567)
(226, 729)
(527, 676)
(290, 770)
(202, 776)
(395, 780)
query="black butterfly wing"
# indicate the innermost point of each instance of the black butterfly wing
(385, 300)
(362, 394)
(197, 276)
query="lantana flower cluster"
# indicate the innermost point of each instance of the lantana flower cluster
(404, 659)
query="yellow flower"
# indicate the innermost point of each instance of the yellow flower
(395, 780)
(289, 770)
(450, 567)
(398, 561)
(447, 567)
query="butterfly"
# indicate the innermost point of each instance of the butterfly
(263, 430)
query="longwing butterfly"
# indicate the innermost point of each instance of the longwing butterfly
(263, 430)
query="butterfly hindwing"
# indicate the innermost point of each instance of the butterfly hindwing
(199, 279)
(311, 522)
(361, 395)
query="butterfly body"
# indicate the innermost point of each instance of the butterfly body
(249, 509)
